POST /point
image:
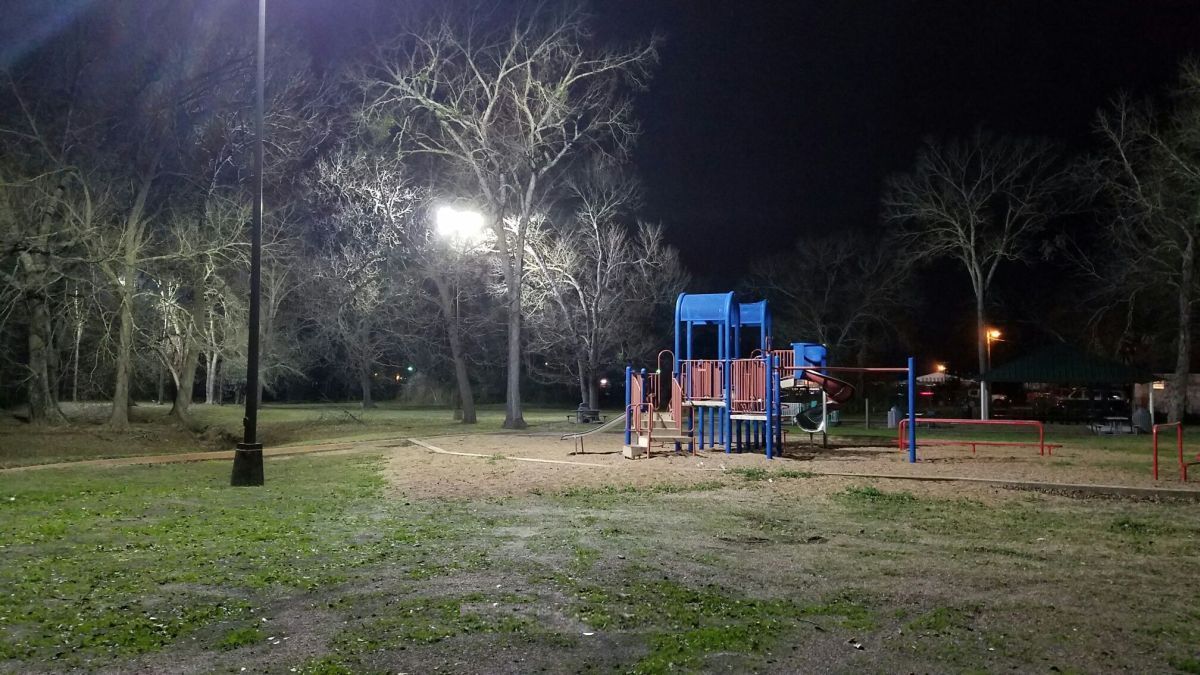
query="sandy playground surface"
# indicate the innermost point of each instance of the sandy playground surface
(489, 466)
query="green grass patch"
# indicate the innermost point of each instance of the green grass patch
(754, 474)
(154, 432)
(1186, 664)
(876, 497)
(104, 564)
(608, 491)
(241, 637)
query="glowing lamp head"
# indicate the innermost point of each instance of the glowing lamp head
(604, 382)
(455, 224)
(994, 333)
(941, 367)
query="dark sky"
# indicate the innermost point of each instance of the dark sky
(771, 120)
(768, 120)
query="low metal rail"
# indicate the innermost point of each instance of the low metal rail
(1183, 464)
(1041, 445)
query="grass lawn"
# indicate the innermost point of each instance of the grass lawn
(220, 427)
(327, 569)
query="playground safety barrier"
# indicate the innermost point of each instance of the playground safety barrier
(633, 412)
(703, 379)
(1043, 447)
(749, 385)
(1183, 464)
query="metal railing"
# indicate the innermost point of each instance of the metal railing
(749, 385)
(1043, 448)
(703, 379)
(1183, 464)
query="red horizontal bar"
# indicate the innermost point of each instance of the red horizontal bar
(960, 420)
(1015, 444)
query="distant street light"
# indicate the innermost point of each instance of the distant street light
(460, 225)
(941, 367)
(985, 395)
(248, 458)
(993, 335)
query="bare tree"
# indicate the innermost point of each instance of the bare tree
(838, 288)
(455, 271)
(1149, 180)
(369, 208)
(508, 105)
(979, 202)
(593, 286)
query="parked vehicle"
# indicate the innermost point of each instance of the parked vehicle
(1086, 404)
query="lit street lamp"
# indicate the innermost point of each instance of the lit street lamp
(941, 367)
(459, 225)
(985, 397)
(248, 458)
(993, 335)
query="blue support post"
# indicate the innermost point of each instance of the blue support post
(768, 408)
(628, 402)
(700, 411)
(912, 411)
(713, 414)
(727, 416)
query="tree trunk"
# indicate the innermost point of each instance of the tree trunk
(184, 383)
(985, 399)
(161, 392)
(466, 396)
(125, 281)
(75, 363)
(42, 407)
(513, 416)
(1183, 354)
(364, 382)
(119, 419)
(581, 370)
(210, 378)
(53, 362)
(593, 398)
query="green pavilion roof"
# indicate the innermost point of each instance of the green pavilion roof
(1064, 364)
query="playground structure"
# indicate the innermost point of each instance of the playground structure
(728, 400)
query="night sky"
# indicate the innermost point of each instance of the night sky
(767, 121)
(774, 119)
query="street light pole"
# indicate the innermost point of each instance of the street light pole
(985, 394)
(248, 458)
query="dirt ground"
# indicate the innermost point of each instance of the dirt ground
(507, 464)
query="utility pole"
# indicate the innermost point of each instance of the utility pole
(248, 458)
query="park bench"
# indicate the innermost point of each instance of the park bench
(586, 416)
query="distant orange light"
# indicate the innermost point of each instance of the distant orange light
(941, 367)
(994, 333)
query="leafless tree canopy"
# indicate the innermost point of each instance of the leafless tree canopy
(980, 202)
(1148, 183)
(506, 105)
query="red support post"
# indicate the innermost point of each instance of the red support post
(1183, 465)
